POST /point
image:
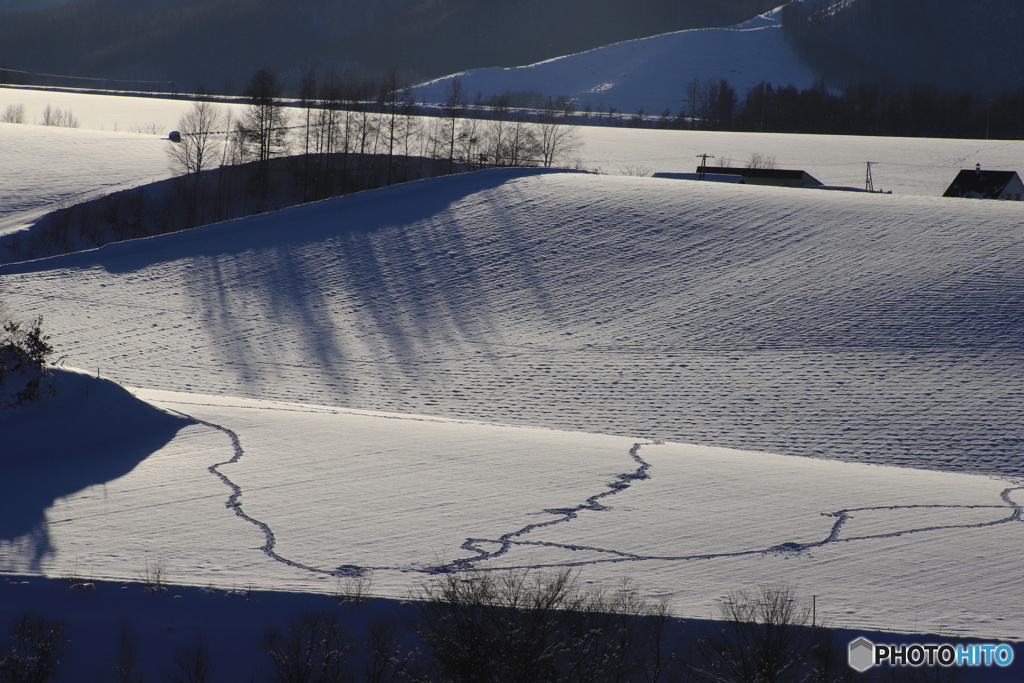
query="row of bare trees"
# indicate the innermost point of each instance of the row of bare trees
(338, 118)
(341, 136)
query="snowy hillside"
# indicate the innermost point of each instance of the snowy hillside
(862, 327)
(347, 367)
(651, 74)
(518, 368)
(44, 167)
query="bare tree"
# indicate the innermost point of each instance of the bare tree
(481, 623)
(509, 141)
(35, 650)
(13, 113)
(532, 626)
(520, 147)
(758, 160)
(192, 662)
(200, 128)
(55, 116)
(326, 133)
(262, 124)
(125, 661)
(454, 107)
(554, 136)
(314, 649)
(694, 97)
(395, 101)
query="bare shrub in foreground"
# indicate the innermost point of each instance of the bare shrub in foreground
(154, 577)
(35, 648)
(24, 356)
(313, 649)
(531, 626)
(192, 664)
(766, 636)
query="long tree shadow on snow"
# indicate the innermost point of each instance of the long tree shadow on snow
(89, 433)
(318, 277)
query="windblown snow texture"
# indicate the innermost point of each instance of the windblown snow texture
(860, 327)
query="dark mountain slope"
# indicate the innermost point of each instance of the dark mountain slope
(7, 6)
(219, 43)
(950, 45)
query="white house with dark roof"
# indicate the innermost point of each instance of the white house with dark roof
(982, 184)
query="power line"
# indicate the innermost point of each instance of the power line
(85, 78)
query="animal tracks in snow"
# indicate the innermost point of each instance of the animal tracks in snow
(705, 503)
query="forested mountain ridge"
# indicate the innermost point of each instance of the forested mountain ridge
(950, 45)
(217, 44)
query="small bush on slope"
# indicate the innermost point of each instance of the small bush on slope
(34, 651)
(23, 363)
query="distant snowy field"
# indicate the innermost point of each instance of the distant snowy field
(101, 156)
(457, 370)
(651, 74)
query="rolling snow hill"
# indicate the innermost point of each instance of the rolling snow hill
(46, 168)
(502, 369)
(861, 327)
(649, 74)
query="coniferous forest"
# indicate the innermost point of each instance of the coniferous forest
(944, 44)
(863, 109)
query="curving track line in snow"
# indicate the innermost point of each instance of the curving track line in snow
(622, 482)
(593, 504)
(834, 536)
(234, 503)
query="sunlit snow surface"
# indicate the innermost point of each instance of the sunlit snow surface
(121, 142)
(870, 328)
(876, 330)
(43, 167)
(326, 492)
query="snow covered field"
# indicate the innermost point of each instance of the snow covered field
(507, 369)
(102, 157)
(328, 490)
(651, 74)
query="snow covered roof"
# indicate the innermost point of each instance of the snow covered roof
(710, 177)
(765, 176)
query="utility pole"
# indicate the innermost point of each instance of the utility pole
(869, 184)
(703, 163)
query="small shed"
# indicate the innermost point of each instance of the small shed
(982, 184)
(765, 176)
